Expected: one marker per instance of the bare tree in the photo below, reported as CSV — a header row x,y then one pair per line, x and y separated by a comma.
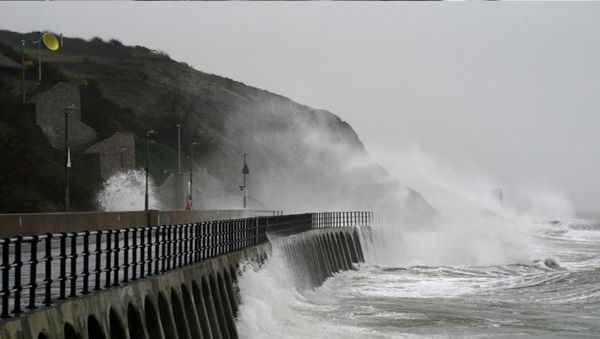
x,y
178,103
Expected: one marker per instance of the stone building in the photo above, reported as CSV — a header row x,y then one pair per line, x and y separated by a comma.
x,y
9,71
50,115
8,65
116,153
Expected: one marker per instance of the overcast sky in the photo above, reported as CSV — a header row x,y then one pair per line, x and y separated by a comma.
x,y
508,89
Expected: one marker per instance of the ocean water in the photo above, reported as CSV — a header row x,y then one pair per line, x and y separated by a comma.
x,y
488,278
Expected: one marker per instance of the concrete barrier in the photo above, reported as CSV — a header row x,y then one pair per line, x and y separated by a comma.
x,y
40,223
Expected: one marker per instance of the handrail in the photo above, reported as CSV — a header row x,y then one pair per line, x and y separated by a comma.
x,y
37,270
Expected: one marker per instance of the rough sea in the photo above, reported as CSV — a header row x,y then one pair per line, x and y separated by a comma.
x,y
483,278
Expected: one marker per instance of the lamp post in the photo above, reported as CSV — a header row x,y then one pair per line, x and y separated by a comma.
x,y
245,171
148,134
190,199
67,157
123,150
51,43
178,148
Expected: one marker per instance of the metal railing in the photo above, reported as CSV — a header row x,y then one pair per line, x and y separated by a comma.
x,y
341,219
38,270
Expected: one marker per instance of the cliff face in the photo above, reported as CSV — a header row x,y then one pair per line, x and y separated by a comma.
x,y
300,158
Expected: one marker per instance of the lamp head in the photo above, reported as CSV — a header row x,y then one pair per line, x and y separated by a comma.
x,y
50,41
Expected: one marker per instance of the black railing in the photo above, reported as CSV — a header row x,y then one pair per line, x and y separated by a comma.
x,y
40,269
341,219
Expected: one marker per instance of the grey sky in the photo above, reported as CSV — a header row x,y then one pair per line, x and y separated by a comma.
x,y
510,89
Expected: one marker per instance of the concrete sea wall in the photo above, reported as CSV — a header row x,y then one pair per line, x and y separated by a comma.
x,y
196,301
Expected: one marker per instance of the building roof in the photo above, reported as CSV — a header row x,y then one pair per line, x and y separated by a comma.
x,y
7,63
97,147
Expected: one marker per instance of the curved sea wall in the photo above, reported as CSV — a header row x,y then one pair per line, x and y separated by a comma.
x,y
195,301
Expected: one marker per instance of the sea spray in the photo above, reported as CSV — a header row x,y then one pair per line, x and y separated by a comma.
x,y
277,300
124,191
472,227
476,269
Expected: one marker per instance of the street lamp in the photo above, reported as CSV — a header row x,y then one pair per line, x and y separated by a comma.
x,y
178,148
245,171
189,203
123,150
148,134
50,41
67,157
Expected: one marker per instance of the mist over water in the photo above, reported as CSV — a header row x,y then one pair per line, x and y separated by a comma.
x,y
125,191
478,268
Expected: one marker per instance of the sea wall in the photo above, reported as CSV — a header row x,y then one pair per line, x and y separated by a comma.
x,y
316,255
196,301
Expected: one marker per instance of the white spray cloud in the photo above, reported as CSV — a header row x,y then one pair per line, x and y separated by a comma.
x,y
473,227
124,191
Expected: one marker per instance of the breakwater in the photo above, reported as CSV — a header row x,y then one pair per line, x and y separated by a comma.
x,y
174,281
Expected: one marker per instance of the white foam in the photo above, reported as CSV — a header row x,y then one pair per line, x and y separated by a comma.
x,y
125,191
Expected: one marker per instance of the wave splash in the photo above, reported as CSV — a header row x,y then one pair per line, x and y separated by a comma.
x,y
125,191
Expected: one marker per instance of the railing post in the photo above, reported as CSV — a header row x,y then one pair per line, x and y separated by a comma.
x,y
216,238
18,264
33,272
108,267
204,232
98,253
197,242
5,277
48,271
191,240
149,251
255,224
116,251
73,257
212,239
157,243
208,239
183,260
221,239
142,251
86,262
163,257
239,234
175,249
234,235
126,249
229,235
62,277
170,245
134,254
180,247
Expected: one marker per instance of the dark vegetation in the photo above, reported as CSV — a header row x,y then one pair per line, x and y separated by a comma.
x,y
105,116
31,171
